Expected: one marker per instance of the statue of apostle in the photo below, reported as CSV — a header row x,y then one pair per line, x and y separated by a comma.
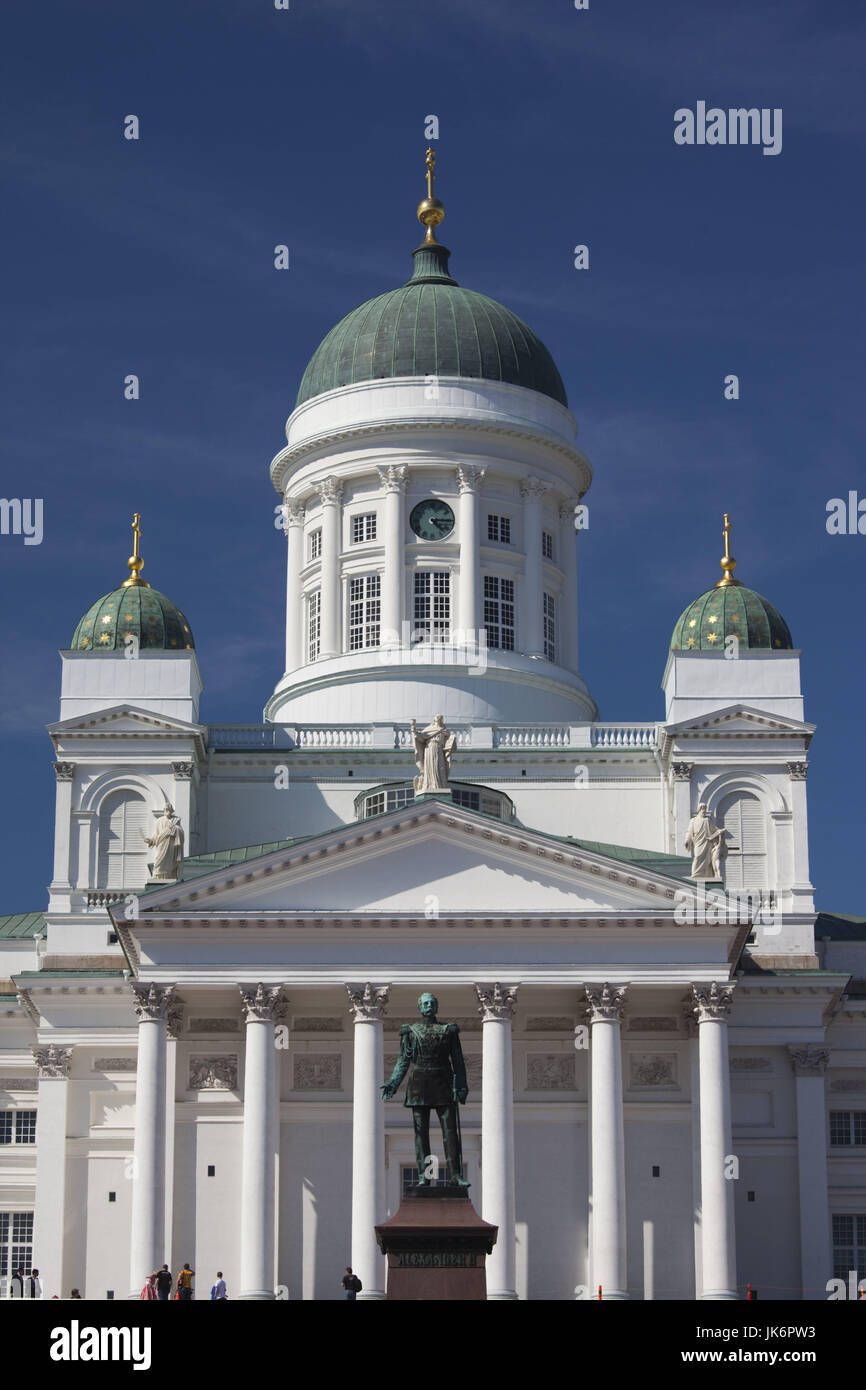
x,y
438,1082
706,840
433,748
167,840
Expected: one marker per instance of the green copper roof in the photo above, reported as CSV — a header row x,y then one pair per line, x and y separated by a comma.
x,y
22,924
431,327
158,623
734,609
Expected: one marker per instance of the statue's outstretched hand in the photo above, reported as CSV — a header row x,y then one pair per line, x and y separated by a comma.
x,y
462,1094
388,1091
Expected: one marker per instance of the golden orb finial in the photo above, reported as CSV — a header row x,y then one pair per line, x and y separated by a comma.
x,y
727,562
430,210
135,562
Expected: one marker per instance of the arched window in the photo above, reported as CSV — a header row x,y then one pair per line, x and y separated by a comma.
x,y
746,826
124,820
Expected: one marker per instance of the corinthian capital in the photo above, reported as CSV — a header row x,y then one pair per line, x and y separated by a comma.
x,y
469,476
367,1001
152,1001
533,489
329,490
262,1003
52,1060
605,1003
393,477
712,1003
294,511
809,1060
64,772
495,1002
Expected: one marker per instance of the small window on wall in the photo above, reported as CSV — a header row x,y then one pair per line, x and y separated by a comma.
x,y
547,545
499,529
17,1126
16,1243
746,841
549,627
316,544
849,1245
314,624
364,611
848,1127
499,612
124,820
432,614
363,527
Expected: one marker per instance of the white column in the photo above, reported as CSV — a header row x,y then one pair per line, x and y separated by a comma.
x,y
148,1172
719,1274
682,802
393,480
608,1264
173,1024
691,1028
801,886
531,640
816,1256
368,1138
294,512
262,1008
65,774
568,619
49,1223
330,491
469,608
497,1136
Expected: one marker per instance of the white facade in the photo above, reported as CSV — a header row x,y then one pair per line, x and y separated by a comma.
x,y
650,1089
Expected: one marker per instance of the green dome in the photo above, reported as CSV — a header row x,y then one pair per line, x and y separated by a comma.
x,y
726,610
158,624
431,327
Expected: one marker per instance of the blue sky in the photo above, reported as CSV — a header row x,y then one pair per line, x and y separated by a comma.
x,y
306,127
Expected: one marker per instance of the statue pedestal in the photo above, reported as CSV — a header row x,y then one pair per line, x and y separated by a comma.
x,y
436,1246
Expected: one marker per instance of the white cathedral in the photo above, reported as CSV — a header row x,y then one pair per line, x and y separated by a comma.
x,y
666,1044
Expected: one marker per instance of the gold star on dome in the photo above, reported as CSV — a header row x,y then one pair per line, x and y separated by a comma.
x,y
711,636
693,622
106,620
714,619
691,642
104,637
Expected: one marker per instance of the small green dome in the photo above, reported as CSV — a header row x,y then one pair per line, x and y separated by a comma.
x,y
431,327
158,623
731,609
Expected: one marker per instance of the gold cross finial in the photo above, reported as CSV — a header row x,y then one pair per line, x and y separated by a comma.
x,y
430,210
135,562
727,561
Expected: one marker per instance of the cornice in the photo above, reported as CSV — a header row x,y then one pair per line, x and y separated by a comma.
x,y
284,461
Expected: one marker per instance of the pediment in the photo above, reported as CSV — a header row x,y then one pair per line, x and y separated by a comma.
x,y
123,719
428,862
739,719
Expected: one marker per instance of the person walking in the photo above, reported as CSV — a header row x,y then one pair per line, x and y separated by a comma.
x,y
219,1288
148,1293
351,1284
163,1283
184,1284
75,1294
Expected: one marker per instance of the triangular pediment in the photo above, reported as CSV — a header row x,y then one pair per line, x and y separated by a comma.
x,y
123,719
739,719
425,861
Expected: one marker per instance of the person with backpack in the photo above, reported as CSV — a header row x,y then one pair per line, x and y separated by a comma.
x,y
184,1284
163,1283
351,1283
219,1288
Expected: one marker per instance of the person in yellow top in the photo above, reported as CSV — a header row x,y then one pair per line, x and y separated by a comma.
x,y
184,1284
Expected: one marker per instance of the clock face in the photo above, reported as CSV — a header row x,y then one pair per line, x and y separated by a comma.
x,y
432,519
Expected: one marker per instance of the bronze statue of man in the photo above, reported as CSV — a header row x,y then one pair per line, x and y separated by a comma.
x,y
438,1082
